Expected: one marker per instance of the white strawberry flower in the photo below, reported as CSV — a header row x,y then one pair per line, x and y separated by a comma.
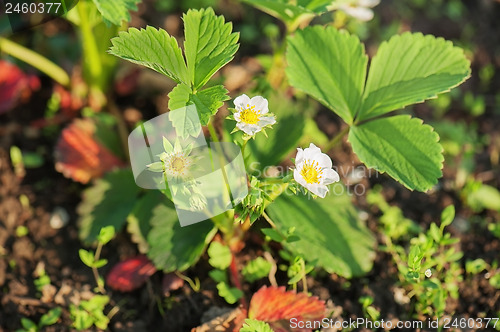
x,y
175,161
252,114
313,170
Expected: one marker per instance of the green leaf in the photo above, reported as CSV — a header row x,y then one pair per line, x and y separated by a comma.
x,y
403,147
330,65
253,325
156,167
100,263
87,257
218,275
482,196
447,216
185,123
28,324
411,68
106,203
415,257
208,101
173,247
230,294
82,320
256,269
154,49
106,234
167,146
179,97
209,45
116,11
50,317
138,220
475,266
273,234
330,231
220,255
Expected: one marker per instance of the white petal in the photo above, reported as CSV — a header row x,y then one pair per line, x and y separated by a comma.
x,y
323,160
330,176
237,116
241,101
361,13
300,180
250,129
260,104
317,189
266,121
314,148
299,158
368,3
311,152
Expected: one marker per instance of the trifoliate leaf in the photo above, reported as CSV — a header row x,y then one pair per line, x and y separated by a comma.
x,y
210,44
154,49
330,65
403,147
409,69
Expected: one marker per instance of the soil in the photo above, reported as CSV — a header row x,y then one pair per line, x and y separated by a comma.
x,y
56,249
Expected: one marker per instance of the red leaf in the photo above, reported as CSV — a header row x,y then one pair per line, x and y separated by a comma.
x,y
130,274
276,306
79,156
14,84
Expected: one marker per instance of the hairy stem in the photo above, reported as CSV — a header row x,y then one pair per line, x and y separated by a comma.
x,y
35,60
337,139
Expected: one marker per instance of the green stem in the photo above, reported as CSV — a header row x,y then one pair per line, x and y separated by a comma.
x,y
337,139
269,220
227,224
213,133
304,279
94,269
36,60
92,60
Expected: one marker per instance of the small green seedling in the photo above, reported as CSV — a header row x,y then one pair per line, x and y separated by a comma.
x,y
93,260
50,318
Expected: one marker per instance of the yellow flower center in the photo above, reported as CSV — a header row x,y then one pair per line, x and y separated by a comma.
x,y
311,172
250,115
177,164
